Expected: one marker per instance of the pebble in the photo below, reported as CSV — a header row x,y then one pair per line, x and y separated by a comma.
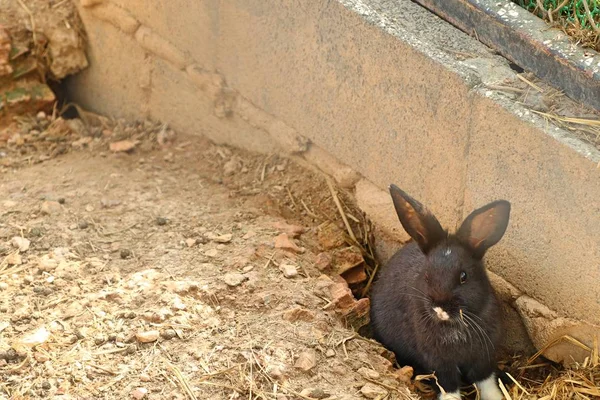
x,y
314,393
306,361
211,253
41,115
50,207
83,225
222,238
20,243
122,146
284,242
368,373
125,253
3,286
139,393
248,268
299,314
373,391
234,279
190,242
323,261
147,336
289,271
13,259
160,221
168,334
330,353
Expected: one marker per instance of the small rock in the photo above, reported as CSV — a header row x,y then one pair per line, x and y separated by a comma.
x,y
161,221
147,336
122,146
249,235
373,391
289,271
3,286
306,360
323,261
41,115
248,268
211,253
178,304
40,336
368,373
40,357
190,242
61,200
168,334
20,243
145,377
284,242
231,166
139,393
13,259
89,208
291,230
10,203
50,207
330,353
330,236
234,279
222,238
125,253
109,203
299,314
83,225
314,393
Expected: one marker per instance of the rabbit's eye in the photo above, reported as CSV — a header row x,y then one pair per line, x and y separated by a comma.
x,y
463,277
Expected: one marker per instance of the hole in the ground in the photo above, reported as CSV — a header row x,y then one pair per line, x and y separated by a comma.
x,y
516,68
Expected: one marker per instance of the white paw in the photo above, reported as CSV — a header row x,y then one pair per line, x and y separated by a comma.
x,y
449,396
489,390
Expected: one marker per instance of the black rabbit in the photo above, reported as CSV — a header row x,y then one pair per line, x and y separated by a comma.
x,y
433,304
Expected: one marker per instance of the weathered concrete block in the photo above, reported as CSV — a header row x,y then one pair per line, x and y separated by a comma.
x,y
190,28
344,176
119,17
378,206
105,86
372,100
546,329
160,47
552,245
175,99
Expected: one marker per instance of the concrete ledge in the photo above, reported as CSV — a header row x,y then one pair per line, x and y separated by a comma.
x,y
394,93
528,41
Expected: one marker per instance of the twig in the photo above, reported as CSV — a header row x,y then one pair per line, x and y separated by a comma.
x,y
31,19
108,371
590,19
184,383
336,200
533,85
312,214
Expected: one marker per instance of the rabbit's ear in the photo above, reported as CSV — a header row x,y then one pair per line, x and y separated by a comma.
x,y
484,227
417,220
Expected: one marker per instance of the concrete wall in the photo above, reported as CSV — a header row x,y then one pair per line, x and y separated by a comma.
x,y
394,93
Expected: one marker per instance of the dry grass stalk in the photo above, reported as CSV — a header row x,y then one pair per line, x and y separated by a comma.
x,y
340,209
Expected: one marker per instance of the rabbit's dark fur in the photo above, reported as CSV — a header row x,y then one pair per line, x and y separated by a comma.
x,y
433,304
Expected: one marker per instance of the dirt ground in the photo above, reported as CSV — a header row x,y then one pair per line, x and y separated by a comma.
x,y
163,274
